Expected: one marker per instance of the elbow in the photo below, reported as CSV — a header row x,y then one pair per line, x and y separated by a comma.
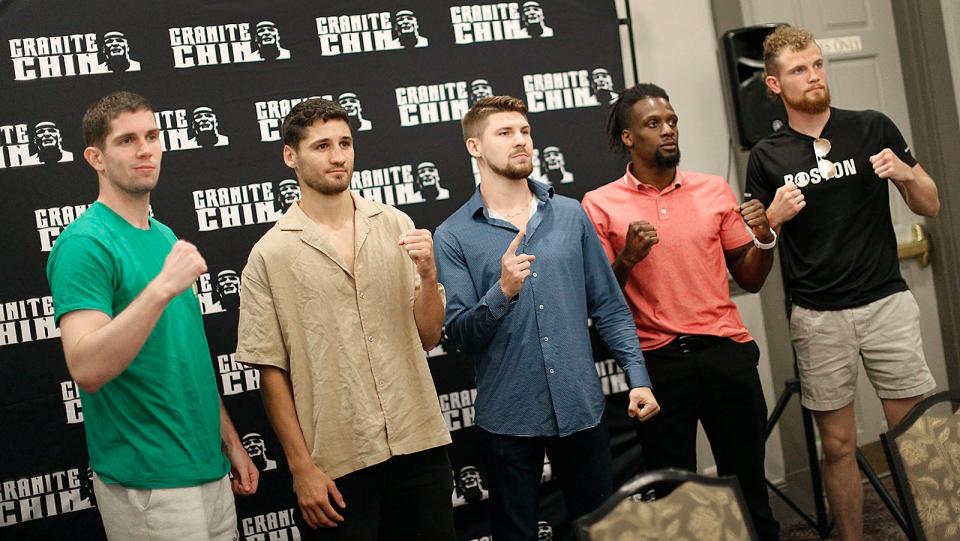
x,y
933,210
88,384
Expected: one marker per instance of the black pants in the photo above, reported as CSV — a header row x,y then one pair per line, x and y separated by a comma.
x,y
580,463
406,497
713,380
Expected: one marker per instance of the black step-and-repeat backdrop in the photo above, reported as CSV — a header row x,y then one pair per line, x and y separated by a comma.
x,y
222,76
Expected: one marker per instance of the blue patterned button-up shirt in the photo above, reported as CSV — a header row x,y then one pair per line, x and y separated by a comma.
x,y
534,360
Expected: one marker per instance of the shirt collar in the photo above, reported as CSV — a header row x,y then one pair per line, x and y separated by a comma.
x,y
296,220
632,182
543,192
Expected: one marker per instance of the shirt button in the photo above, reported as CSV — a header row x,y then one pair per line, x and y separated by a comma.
x,y
380,383
663,211
540,307
534,275
552,370
361,296
370,338
546,338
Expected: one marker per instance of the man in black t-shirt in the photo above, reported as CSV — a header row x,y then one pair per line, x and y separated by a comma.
x,y
823,179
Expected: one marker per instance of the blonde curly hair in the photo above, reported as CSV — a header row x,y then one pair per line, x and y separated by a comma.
x,y
784,37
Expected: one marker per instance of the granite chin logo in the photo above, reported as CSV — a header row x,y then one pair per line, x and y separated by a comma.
x,y
439,102
273,526
50,223
44,495
270,115
568,89
235,206
256,447
233,43
288,193
219,293
27,320
71,402
457,408
399,185
180,130
236,377
23,145
503,21
67,56
368,32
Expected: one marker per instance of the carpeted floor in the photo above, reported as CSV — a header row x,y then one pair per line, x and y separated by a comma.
x,y
878,524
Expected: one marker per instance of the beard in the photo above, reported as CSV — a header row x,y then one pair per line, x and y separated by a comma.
x,y
51,154
555,175
332,186
430,192
118,63
512,172
810,105
269,51
230,301
534,30
603,95
666,160
206,138
407,39
355,122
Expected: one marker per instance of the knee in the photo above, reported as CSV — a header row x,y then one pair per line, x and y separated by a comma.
x,y
839,447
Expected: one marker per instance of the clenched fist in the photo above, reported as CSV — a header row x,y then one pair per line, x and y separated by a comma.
x,y
419,246
787,202
756,219
181,268
514,269
886,164
641,236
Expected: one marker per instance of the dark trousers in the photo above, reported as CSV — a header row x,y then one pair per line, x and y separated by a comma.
x,y
713,380
580,463
406,497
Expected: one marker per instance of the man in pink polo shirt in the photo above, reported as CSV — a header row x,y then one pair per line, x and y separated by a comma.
x,y
671,235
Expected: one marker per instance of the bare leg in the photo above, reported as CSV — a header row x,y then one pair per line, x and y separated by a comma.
x,y
838,435
895,409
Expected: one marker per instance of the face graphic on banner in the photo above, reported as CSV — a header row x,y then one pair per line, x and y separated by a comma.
x,y
227,290
266,42
406,30
601,85
256,447
114,53
479,89
553,165
532,20
544,531
288,192
350,102
47,144
204,128
469,485
428,182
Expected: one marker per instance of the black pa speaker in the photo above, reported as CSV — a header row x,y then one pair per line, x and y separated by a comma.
x,y
752,114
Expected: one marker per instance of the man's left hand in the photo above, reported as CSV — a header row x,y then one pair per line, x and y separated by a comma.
x,y
643,405
419,246
887,165
244,473
755,216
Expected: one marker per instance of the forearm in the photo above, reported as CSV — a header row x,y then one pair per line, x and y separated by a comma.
x,y
920,194
98,356
752,267
621,269
428,312
228,433
278,402
471,329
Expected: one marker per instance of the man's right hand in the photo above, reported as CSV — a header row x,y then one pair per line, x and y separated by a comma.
x,y
514,269
787,202
641,236
314,490
183,266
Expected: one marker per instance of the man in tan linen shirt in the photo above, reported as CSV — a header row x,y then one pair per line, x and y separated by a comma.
x,y
339,301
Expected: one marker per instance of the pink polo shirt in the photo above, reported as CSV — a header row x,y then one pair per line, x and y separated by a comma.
x,y
681,286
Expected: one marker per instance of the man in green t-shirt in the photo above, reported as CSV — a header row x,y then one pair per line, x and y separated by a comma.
x,y
159,438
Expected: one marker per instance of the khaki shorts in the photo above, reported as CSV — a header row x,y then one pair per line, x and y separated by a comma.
x,y
885,333
200,513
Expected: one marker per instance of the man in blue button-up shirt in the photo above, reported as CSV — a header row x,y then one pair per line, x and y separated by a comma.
x,y
523,271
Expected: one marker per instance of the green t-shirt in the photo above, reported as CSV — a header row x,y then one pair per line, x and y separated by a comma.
x,y
157,424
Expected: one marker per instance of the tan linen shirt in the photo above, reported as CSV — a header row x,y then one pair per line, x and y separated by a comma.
x,y
361,384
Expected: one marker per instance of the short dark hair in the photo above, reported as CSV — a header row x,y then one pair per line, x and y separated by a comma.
x,y
305,113
475,120
620,111
96,121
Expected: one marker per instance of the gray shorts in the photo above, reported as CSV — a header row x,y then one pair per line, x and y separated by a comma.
x,y
200,513
885,333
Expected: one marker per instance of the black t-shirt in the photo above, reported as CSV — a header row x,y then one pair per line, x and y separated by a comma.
x,y
840,251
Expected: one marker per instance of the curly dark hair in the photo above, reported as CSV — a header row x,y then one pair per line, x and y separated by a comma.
x,y
305,113
619,118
